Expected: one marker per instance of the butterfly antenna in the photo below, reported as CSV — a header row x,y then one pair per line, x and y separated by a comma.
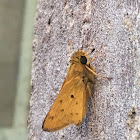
x,y
69,42
96,54
89,48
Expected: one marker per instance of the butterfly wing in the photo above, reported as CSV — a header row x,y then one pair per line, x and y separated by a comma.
x,y
69,107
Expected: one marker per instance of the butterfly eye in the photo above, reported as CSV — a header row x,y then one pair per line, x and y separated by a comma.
x,y
83,60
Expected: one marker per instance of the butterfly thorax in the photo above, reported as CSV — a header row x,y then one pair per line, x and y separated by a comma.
x,y
79,61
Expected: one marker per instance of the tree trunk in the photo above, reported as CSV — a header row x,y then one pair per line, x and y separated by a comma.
x,y
116,25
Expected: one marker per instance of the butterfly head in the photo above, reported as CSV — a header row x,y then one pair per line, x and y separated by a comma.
x,y
81,57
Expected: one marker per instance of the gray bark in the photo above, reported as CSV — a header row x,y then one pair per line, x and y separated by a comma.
x,y
116,25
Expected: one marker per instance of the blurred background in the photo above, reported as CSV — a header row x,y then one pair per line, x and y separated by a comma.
x,y
16,36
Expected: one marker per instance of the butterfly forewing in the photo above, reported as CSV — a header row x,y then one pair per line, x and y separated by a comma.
x,y
69,107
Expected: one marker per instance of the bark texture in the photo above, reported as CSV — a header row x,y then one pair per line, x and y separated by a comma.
x,y
116,25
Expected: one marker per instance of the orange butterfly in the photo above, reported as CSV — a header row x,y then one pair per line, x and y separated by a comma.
x,y
70,106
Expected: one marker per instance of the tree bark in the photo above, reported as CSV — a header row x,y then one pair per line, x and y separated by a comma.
x,y
116,25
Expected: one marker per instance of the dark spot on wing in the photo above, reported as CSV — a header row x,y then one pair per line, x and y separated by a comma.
x,y
51,117
61,101
62,110
72,96
43,127
76,113
71,113
76,103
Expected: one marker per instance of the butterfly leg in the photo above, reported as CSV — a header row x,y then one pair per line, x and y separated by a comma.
x,y
101,75
93,104
97,73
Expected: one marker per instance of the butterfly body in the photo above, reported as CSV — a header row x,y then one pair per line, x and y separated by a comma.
x,y
70,106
